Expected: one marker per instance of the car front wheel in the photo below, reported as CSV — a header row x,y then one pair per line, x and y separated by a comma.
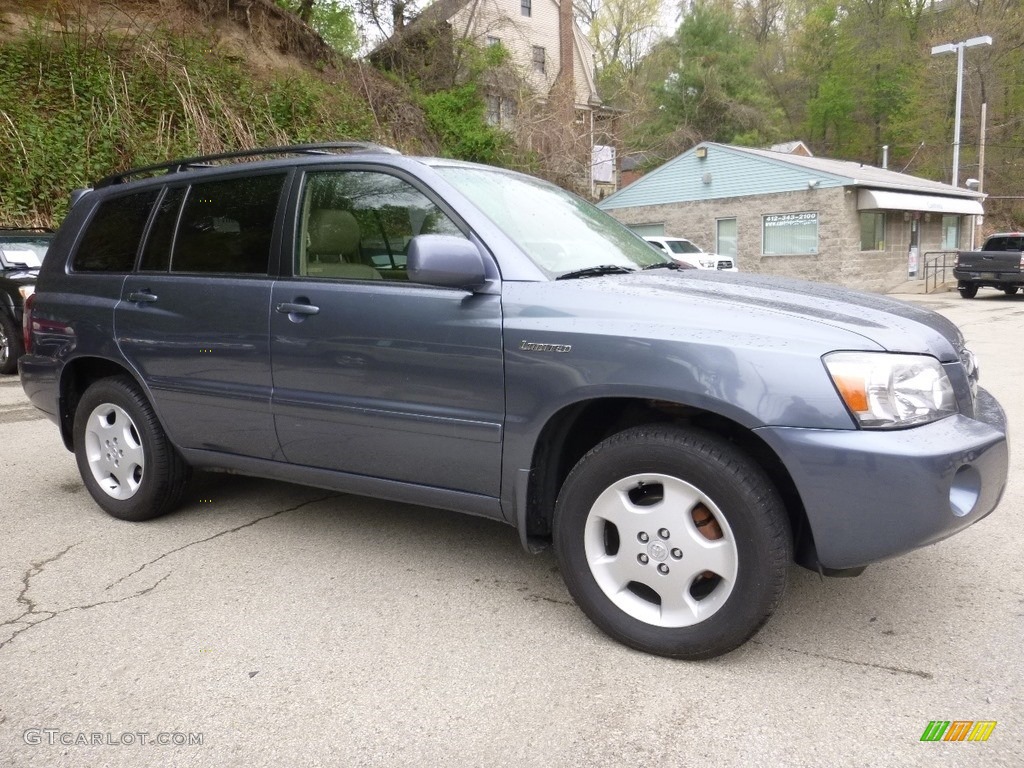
x,y
672,541
126,461
1010,290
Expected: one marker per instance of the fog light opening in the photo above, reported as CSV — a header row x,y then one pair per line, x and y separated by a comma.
x,y
965,490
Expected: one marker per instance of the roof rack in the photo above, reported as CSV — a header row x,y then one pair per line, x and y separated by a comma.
x,y
211,161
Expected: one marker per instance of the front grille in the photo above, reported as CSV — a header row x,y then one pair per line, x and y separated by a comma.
x,y
725,265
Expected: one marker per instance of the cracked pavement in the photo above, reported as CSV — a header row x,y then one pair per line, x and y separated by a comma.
x,y
294,626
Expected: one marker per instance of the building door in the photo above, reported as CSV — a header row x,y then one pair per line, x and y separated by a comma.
x,y
915,246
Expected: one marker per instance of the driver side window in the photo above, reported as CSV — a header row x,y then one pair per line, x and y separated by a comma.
x,y
357,225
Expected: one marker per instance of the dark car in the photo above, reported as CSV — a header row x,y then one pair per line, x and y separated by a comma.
x,y
21,254
465,337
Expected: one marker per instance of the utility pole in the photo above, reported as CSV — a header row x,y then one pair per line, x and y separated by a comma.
x,y
978,220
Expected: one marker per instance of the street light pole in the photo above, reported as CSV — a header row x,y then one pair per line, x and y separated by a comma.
x,y
959,49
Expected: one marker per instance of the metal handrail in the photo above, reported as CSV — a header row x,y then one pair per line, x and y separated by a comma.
x,y
936,266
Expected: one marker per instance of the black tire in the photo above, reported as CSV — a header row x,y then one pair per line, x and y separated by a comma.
x,y
126,461
693,468
967,290
11,344
1010,290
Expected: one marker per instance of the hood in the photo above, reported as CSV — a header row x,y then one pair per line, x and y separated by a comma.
x,y
757,300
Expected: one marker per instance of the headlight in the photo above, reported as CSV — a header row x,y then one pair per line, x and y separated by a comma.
x,y
707,263
26,291
886,391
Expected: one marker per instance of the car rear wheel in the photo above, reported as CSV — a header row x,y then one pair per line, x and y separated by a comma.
x,y
10,344
126,461
672,541
967,290
1010,290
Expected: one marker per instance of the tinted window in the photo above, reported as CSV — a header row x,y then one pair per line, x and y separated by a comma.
x,y
226,226
112,238
156,255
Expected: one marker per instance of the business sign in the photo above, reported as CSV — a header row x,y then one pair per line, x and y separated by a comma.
x,y
790,219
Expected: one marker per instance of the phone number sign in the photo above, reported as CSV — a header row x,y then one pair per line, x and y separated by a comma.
x,y
790,219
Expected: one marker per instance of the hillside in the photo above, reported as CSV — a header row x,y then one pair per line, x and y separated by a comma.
x,y
91,87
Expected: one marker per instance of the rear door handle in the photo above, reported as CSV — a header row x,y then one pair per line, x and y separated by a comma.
x,y
142,297
289,308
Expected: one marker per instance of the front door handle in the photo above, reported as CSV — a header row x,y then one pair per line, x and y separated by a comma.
x,y
290,308
142,297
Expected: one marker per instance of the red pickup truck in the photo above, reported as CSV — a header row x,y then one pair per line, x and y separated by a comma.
x,y
999,264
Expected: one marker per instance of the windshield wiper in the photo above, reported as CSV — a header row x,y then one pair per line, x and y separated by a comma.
x,y
603,269
663,265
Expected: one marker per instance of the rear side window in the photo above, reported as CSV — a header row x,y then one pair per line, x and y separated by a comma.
x,y
1005,244
112,239
227,226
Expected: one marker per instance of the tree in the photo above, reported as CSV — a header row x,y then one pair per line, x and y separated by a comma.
x,y
332,19
714,89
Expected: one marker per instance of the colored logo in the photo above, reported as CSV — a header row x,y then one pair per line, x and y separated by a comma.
x,y
958,730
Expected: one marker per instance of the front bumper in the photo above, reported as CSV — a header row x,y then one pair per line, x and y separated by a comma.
x,y
872,494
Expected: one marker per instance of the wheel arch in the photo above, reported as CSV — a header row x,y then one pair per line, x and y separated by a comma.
x,y
572,431
76,377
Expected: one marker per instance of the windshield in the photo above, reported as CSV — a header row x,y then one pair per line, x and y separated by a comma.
x,y
560,233
23,253
682,246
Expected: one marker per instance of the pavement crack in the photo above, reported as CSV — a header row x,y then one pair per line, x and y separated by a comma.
x,y
23,599
883,667
33,616
217,535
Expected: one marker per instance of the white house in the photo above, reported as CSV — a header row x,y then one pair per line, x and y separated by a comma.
x,y
549,55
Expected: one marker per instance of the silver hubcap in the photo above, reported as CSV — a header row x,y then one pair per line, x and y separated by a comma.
x,y
4,346
649,557
114,451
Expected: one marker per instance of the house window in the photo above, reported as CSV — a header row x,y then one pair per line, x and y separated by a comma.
x,y
501,111
538,59
526,7
872,231
789,233
725,238
950,233
493,40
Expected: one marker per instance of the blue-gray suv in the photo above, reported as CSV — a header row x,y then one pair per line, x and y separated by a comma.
x,y
464,337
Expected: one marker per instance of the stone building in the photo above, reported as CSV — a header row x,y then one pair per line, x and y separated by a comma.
x,y
813,218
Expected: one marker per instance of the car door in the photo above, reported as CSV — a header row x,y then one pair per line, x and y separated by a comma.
x,y
194,318
375,375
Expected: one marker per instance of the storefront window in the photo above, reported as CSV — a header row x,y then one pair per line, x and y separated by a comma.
x,y
789,233
950,232
872,231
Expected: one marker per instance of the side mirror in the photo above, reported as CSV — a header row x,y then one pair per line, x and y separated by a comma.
x,y
445,260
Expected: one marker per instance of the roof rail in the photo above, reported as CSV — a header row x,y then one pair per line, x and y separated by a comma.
x,y
208,161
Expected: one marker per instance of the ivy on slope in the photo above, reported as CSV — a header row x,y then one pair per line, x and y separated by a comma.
x,y
76,106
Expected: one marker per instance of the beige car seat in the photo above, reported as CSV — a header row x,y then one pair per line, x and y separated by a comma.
x,y
333,247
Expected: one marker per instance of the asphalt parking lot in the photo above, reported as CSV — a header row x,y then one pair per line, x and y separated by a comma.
x,y
270,624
